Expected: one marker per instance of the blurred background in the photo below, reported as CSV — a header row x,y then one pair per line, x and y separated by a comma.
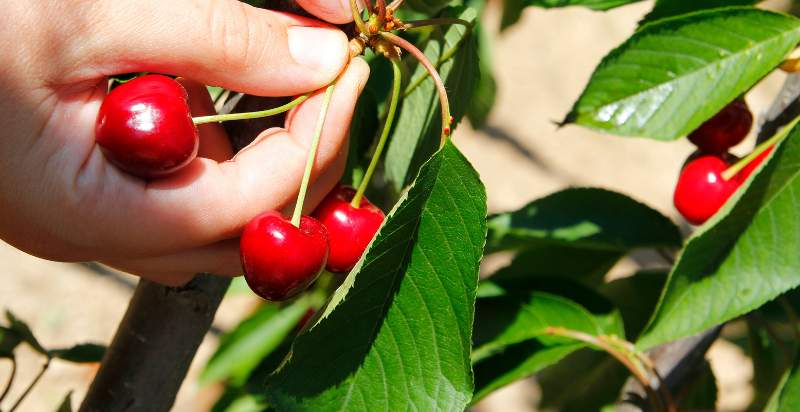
x,y
542,64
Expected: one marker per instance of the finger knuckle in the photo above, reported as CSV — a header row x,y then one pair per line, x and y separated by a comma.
x,y
236,37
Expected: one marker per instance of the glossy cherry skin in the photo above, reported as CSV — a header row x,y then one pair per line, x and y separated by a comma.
x,y
145,127
279,259
725,130
350,229
701,191
753,165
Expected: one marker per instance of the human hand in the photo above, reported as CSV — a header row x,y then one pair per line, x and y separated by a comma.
x,y
59,197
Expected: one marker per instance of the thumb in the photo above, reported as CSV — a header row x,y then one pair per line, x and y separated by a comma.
x,y
221,42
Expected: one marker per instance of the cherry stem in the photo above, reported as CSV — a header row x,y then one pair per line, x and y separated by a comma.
x,y
380,12
618,355
251,115
387,127
435,22
732,171
10,378
30,387
362,28
312,156
437,79
447,55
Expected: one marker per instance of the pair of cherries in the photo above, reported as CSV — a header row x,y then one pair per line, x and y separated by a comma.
x,y
702,188
281,260
145,128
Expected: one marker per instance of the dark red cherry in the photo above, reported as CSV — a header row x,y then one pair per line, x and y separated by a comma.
x,y
145,128
753,165
725,130
701,191
279,259
350,229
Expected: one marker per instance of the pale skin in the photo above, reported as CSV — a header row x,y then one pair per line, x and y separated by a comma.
x,y
60,199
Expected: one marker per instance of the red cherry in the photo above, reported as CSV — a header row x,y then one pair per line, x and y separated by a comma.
x,y
145,127
725,130
350,229
753,165
279,259
701,191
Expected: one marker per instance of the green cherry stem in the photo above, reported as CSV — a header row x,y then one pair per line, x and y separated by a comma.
x,y
435,22
437,79
397,81
362,27
624,359
730,172
312,157
447,55
251,115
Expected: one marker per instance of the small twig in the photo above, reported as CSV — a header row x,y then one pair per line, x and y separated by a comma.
x,y
649,365
30,387
10,378
666,255
611,350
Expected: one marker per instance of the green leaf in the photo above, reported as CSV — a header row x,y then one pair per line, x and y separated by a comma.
x,y
9,340
517,362
674,74
24,333
510,339
483,100
397,334
418,125
512,9
66,404
787,397
586,218
429,7
524,273
241,350
740,259
82,353
361,138
515,318
636,297
700,393
595,380
670,8
769,362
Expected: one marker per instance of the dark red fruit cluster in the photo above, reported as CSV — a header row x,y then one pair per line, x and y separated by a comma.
x,y
701,189
725,130
145,127
281,260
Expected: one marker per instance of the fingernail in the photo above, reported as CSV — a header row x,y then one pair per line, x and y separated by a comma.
x,y
321,49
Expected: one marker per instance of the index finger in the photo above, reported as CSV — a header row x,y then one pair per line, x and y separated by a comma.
x,y
332,11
